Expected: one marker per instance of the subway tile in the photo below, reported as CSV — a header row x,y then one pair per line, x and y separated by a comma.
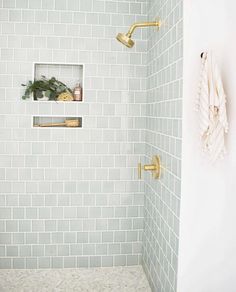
x,y
37,250
47,5
31,237
69,262
51,250
18,238
88,249
25,251
35,4
70,237
57,262
101,249
9,3
95,261
107,261
5,263
44,238
44,263
31,263
86,6
57,237
83,262
12,251
21,3
18,263
119,260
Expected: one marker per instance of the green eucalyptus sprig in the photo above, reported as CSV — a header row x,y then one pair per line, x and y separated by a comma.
x,y
48,87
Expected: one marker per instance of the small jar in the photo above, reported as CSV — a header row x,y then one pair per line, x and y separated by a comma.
x,y
77,92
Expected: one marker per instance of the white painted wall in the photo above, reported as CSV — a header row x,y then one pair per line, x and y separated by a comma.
x,y
207,255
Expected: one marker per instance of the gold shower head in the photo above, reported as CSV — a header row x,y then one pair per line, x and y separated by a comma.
x,y
125,38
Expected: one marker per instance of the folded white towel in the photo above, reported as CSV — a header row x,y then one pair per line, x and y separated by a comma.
x,y
211,105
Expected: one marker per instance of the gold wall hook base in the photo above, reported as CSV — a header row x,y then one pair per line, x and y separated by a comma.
x,y
160,22
155,167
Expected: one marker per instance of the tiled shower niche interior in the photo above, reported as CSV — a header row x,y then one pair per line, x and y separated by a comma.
x,y
53,121
69,74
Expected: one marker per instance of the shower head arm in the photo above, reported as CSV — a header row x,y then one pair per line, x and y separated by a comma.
x,y
125,38
141,24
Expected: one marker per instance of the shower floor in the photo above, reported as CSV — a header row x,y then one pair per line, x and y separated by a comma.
x,y
117,279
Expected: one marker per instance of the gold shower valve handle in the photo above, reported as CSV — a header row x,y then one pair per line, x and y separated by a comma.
x,y
155,168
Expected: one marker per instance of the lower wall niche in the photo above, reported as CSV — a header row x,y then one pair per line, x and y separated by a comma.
x,y
57,122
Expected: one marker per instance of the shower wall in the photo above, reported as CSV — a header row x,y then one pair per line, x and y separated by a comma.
x,y
70,197
163,137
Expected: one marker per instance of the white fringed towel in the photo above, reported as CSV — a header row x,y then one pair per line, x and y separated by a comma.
x,y
211,105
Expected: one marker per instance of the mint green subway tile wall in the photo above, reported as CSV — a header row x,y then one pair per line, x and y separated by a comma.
x,y
163,137
70,197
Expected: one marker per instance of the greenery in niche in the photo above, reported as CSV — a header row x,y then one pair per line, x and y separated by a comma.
x,y
50,88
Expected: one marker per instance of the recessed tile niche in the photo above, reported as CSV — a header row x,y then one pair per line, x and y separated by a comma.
x,y
57,122
69,74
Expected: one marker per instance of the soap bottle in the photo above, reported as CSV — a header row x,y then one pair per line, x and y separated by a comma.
x,y
77,92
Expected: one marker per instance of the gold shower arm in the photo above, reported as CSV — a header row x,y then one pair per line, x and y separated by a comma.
x,y
142,24
125,38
